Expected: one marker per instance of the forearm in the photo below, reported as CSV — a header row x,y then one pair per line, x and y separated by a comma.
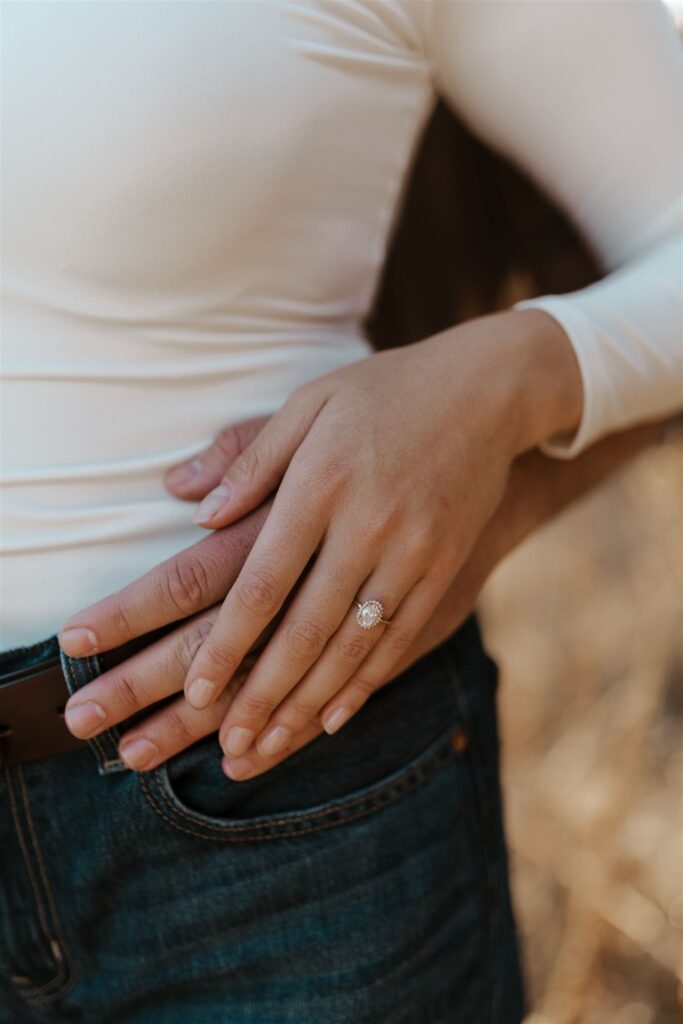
x,y
540,487
605,145
626,334
522,376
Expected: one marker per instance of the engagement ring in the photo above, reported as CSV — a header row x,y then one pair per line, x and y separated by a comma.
x,y
370,614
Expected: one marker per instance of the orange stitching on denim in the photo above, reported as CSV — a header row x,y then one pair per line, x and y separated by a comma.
x,y
34,883
65,959
396,789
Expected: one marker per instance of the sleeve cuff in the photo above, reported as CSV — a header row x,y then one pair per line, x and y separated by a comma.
x,y
581,334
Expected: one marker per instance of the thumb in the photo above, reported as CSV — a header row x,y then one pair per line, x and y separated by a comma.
x,y
258,469
193,479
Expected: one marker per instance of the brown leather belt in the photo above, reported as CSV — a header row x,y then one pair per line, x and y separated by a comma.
x,y
32,700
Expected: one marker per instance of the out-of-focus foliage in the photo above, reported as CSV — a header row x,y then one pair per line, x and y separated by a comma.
x,y
586,622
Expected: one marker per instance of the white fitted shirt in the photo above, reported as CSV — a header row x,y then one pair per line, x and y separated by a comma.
x,y
196,204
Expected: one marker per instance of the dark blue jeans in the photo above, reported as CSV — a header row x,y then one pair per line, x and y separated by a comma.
x,y
363,880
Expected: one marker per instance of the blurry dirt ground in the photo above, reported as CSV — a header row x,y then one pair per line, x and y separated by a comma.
x,y
585,621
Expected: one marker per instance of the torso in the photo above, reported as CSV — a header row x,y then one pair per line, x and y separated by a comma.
x,y
196,204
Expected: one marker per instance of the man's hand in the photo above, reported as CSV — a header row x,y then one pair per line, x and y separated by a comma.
x,y
190,581
188,587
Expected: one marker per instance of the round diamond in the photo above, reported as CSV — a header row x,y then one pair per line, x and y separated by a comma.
x,y
369,614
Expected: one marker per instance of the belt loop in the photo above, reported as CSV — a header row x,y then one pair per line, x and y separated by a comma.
x,y
78,672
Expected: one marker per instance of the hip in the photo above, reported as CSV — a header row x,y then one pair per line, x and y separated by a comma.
x,y
362,879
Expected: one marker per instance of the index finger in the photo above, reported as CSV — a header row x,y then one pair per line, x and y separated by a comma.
x,y
273,569
194,579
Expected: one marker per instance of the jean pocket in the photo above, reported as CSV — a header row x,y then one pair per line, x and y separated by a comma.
x,y
402,736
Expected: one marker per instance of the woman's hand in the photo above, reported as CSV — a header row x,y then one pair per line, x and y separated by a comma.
x,y
386,473
186,583
504,530
538,489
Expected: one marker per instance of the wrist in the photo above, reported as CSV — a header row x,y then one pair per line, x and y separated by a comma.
x,y
521,509
514,374
547,388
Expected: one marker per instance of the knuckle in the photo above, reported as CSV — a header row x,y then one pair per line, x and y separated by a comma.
x,y
420,545
379,523
304,638
301,403
178,727
128,693
222,660
365,686
328,474
397,638
353,649
390,516
228,443
246,466
191,640
124,625
186,584
247,430
299,711
258,592
256,705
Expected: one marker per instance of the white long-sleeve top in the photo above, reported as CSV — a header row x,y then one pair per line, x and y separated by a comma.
x,y
196,203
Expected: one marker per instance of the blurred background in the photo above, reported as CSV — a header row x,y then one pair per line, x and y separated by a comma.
x,y
585,620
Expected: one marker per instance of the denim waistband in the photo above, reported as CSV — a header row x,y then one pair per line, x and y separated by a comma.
x,y
77,673
464,644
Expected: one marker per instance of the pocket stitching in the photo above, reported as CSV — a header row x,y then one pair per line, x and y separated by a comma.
x,y
65,977
423,767
419,762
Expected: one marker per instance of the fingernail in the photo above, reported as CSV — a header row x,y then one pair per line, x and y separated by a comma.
x,y
185,473
336,719
84,719
138,753
201,692
78,642
238,770
213,503
274,741
237,740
